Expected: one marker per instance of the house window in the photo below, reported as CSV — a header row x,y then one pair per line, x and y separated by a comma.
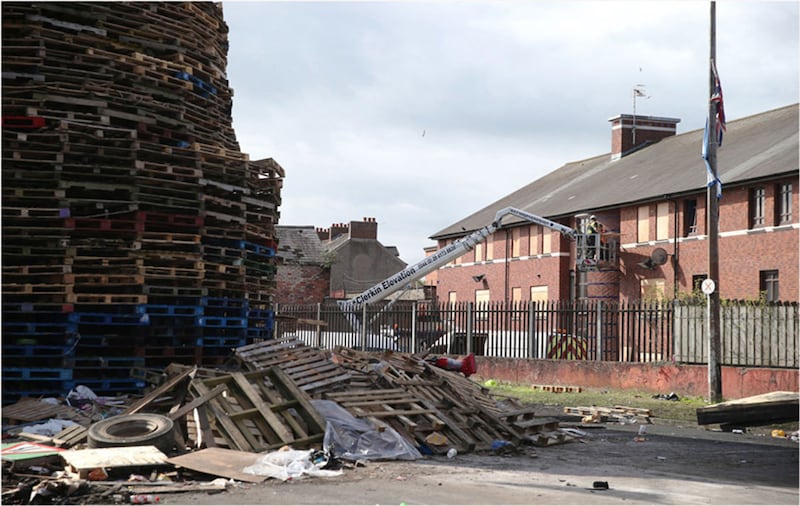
x,y
758,196
652,289
697,281
768,281
546,242
515,242
662,221
490,247
479,251
516,298
783,209
539,297
534,240
481,302
539,293
452,298
689,217
643,224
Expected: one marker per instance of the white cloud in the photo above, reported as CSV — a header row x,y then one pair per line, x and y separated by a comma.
x,y
341,93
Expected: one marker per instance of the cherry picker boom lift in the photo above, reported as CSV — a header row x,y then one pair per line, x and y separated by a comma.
x,y
403,279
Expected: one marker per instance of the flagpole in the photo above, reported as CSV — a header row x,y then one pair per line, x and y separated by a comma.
x,y
712,220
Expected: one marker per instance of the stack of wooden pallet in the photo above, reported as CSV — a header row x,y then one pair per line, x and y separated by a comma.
x,y
135,233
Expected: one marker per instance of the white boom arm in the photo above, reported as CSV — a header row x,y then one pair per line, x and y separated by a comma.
x,y
451,251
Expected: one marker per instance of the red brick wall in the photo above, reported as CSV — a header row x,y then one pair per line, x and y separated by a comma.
x,y
685,380
743,253
301,284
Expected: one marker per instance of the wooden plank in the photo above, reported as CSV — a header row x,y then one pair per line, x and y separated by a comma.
x,y
166,387
220,462
71,436
197,401
219,408
80,462
265,411
772,407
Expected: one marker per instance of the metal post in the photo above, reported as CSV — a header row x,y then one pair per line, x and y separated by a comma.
x,y
414,328
276,324
532,345
363,327
470,317
599,330
319,327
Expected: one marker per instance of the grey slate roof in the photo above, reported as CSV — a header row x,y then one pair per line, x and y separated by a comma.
x,y
758,146
299,245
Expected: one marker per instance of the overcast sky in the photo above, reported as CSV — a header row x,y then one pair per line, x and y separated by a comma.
x,y
420,113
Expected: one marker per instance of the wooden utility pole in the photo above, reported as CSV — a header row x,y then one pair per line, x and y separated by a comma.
x,y
712,227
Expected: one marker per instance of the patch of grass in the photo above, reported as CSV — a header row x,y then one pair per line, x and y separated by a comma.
x,y
683,410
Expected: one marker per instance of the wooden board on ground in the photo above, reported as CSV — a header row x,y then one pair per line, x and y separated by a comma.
x,y
80,462
31,410
621,413
220,462
772,407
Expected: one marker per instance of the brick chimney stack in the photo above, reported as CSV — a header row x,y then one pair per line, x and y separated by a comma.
x,y
324,234
337,229
366,229
644,129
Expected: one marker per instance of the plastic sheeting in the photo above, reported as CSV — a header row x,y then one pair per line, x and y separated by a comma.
x,y
289,464
350,438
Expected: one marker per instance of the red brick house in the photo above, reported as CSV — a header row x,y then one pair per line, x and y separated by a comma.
x,y
651,197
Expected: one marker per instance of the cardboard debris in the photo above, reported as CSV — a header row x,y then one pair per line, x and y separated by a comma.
x,y
220,462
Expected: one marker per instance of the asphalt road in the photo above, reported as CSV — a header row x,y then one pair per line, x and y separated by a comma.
x,y
668,465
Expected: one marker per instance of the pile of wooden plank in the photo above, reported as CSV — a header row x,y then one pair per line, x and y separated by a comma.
x,y
263,401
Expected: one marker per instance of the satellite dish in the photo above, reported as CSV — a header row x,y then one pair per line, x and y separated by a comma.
x,y
658,256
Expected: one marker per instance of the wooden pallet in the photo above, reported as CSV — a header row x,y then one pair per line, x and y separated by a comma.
x,y
312,369
260,411
621,413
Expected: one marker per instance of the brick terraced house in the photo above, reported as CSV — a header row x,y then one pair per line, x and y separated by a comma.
x,y
651,198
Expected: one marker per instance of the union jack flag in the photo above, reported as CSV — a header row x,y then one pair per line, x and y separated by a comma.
x,y
716,98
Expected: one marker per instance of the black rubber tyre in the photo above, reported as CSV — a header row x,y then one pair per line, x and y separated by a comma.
x,y
141,429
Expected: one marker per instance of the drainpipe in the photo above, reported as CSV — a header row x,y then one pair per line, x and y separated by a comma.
x,y
507,273
675,251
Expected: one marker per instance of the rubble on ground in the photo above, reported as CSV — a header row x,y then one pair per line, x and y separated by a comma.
x,y
277,408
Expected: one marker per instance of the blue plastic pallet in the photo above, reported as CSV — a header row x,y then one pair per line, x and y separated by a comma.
x,y
35,374
34,350
172,310
109,319
226,342
217,321
258,249
33,328
109,362
101,385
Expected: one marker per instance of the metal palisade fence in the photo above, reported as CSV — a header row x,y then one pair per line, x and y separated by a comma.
x,y
753,335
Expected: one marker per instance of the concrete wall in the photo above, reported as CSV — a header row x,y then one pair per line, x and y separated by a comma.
x,y
684,380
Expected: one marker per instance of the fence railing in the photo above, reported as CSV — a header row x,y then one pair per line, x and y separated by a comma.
x,y
751,335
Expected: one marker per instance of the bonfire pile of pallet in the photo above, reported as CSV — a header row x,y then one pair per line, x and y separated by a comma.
x,y
262,401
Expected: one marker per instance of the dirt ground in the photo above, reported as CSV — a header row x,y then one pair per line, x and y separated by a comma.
x,y
673,464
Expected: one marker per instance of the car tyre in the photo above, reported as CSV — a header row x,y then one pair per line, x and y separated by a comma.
x,y
140,429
